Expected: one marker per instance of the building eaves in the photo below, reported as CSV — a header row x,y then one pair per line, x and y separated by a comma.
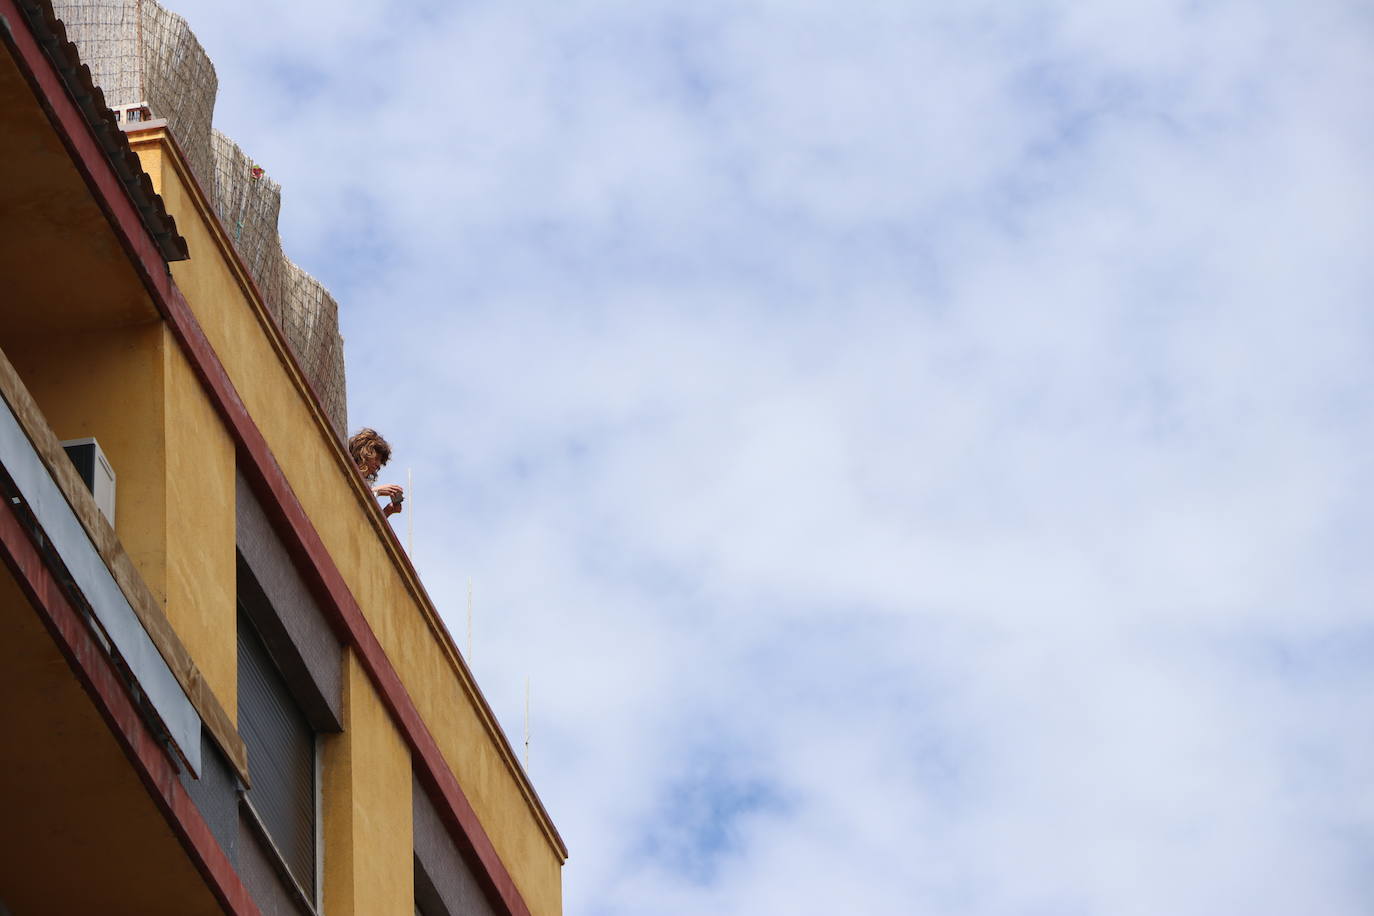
x,y
51,34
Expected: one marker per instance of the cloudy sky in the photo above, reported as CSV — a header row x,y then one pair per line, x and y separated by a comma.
x,y
919,453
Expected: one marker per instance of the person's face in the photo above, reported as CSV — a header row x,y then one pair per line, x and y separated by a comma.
x,y
370,467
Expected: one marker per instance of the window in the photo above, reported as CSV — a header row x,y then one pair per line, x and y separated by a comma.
x,y
445,883
290,693
281,758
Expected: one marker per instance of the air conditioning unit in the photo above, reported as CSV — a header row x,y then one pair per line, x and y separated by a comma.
x,y
95,469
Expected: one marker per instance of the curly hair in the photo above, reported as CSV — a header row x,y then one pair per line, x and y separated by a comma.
x,y
367,444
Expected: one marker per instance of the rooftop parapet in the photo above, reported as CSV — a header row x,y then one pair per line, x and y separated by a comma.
x,y
142,54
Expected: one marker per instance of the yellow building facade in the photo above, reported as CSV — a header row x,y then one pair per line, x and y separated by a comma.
x,y
231,693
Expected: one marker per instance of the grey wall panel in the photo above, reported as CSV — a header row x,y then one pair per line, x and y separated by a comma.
x,y
215,794
443,877
295,630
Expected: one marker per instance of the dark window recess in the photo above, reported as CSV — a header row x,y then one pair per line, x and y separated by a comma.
x,y
445,882
428,902
281,757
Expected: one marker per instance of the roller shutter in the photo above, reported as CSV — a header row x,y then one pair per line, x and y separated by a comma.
x,y
281,756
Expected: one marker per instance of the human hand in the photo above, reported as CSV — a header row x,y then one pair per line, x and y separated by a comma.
x,y
390,491
391,509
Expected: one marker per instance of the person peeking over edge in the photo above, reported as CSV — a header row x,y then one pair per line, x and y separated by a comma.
x,y
370,453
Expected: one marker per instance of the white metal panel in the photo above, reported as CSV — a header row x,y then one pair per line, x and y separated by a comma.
x,y
102,480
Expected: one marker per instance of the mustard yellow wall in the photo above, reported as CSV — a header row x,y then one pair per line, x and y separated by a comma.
x,y
134,391
109,384
201,568
62,266
262,378
368,833
81,833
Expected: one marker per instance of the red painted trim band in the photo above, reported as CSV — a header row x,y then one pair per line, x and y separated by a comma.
x,y
96,673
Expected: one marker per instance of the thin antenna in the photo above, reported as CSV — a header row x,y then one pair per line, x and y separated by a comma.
x,y
527,721
469,620
410,517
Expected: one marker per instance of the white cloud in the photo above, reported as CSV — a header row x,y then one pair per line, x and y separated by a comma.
x,y
917,452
